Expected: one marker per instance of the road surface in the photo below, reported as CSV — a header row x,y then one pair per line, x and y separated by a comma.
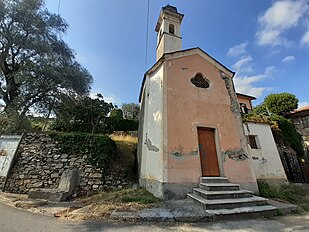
x,y
16,220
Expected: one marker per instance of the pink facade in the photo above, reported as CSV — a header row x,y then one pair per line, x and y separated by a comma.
x,y
185,97
188,108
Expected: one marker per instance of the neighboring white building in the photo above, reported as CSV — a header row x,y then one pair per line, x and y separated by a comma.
x,y
264,153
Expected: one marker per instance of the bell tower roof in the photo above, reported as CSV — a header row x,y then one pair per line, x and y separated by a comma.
x,y
168,10
168,31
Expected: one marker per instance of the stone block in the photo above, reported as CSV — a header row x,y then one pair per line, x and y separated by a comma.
x,y
38,184
68,180
40,193
54,175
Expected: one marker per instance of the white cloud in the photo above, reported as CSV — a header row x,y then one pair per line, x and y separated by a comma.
x,y
237,50
305,39
113,99
277,19
269,37
245,84
302,104
243,65
110,99
288,59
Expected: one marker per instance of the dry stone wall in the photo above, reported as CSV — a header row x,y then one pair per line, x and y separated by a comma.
x,y
290,163
40,164
2,181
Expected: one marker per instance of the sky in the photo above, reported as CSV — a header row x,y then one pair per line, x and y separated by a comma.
x,y
265,42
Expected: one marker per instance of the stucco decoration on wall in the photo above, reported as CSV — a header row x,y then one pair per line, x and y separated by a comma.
x,y
150,146
238,154
199,81
230,89
179,154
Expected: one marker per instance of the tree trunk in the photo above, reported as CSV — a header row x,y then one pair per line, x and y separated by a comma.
x,y
46,119
11,91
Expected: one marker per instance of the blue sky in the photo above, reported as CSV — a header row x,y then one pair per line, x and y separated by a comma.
x,y
265,42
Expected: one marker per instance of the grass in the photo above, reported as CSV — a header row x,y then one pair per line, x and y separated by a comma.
x,y
126,158
124,138
291,193
140,196
101,205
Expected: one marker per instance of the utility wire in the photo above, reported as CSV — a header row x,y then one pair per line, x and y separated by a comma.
x,y
147,29
59,3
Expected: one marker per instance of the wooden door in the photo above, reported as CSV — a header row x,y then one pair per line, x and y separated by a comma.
x,y
208,153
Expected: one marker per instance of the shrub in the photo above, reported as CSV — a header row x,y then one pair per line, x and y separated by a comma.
x,y
13,123
288,133
99,149
282,128
121,125
252,117
109,125
288,192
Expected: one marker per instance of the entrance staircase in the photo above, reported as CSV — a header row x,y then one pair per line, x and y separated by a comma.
x,y
224,200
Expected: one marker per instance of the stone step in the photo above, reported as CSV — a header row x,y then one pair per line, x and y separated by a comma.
x,y
210,195
214,180
243,212
227,203
219,186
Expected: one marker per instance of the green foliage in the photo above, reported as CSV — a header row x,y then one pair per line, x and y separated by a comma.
x,y
282,128
90,115
85,115
288,133
13,123
40,123
271,111
121,125
116,114
281,103
141,196
37,68
253,117
99,149
289,192
260,109
131,111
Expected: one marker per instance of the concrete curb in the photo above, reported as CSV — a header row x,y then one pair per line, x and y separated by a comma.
x,y
170,211
159,215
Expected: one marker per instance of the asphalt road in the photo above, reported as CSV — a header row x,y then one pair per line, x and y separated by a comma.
x,y
15,220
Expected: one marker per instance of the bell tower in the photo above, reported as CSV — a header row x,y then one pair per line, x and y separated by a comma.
x,y
168,31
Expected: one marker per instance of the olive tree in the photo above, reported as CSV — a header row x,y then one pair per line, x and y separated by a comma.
x,y
37,68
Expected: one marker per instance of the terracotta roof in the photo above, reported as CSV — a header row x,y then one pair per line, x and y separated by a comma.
x,y
305,108
246,96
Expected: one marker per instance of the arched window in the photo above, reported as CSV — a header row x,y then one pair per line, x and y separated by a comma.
x,y
171,29
199,81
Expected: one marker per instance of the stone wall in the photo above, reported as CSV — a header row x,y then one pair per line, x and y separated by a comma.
x,y
290,163
40,164
2,180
